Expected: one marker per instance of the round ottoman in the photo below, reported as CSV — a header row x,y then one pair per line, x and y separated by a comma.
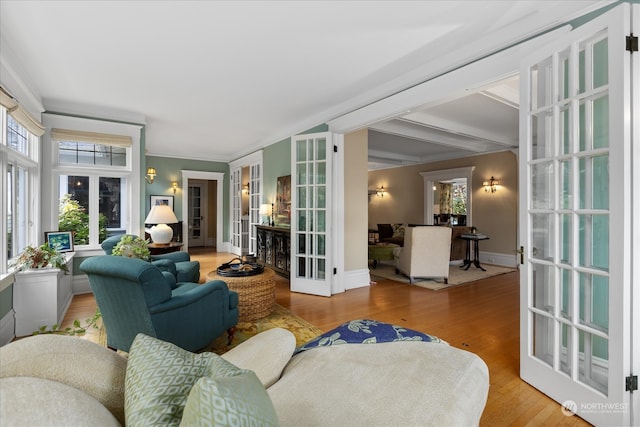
x,y
256,294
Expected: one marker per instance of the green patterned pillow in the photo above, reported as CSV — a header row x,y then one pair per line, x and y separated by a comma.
x,y
231,401
160,376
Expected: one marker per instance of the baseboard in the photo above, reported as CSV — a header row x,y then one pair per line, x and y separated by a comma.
x,y
495,258
356,279
7,328
80,285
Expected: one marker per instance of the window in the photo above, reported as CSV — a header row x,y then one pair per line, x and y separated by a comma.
x,y
94,170
18,179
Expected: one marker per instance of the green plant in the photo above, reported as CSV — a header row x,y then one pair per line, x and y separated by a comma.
x,y
73,217
77,329
132,247
40,257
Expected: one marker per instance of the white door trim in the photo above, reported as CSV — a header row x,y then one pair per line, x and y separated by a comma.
x,y
209,176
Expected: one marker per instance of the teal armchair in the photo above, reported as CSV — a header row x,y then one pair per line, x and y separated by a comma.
x,y
184,269
136,296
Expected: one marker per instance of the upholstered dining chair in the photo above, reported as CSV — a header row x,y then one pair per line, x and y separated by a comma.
x,y
185,270
135,296
425,253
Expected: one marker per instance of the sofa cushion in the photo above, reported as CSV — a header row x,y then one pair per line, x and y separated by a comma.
x,y
230,401
30,401
398,230
160,376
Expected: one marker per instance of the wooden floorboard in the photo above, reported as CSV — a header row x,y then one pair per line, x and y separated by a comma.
x,y
481,317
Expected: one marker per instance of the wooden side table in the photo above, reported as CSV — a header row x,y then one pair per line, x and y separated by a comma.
x,y
475,238
164,248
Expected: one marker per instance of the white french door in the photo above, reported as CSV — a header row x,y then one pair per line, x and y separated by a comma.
x,y
197,206
235,193
311,213
576,216
255,195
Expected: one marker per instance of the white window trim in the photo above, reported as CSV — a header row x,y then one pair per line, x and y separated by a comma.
x,y
51,169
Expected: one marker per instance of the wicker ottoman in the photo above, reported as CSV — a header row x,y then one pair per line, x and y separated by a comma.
x,y
256,294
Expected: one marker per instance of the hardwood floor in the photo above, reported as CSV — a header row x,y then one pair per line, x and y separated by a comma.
x,y
481,317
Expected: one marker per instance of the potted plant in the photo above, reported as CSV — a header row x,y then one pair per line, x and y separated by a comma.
x,y
132,247
42,256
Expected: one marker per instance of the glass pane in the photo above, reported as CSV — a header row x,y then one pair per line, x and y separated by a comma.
x,y
321,196
541,84
302,238
17,136
600,63
594,301
566,195
74,207
565,349
321,173
594,182
565,130
302,220
565,238
302,197
542,137
563,79
601,122
581,71
594,241
593,366
321,223
542,186
301,151
543,338
322,149
543,286
301,270
542,236
85,153
320,271
321,245
302,173
111,206
582,126
311,198
566,308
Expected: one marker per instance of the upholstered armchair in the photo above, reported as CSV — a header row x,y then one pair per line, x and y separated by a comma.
x,y
136,296
425,253
185,270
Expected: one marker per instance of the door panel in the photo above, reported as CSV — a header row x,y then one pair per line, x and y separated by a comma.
x,y
197,211
575,176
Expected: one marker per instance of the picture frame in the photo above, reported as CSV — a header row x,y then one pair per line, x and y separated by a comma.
x,y
283,201
162,200
61,241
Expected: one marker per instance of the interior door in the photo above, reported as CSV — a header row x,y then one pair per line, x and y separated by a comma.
x,y
197,206
255,195
575,211
236,210
311,213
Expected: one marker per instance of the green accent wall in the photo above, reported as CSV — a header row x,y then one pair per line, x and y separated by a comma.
x,y
6,301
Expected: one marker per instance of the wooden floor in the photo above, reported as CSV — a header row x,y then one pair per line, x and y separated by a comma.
x,y
481,317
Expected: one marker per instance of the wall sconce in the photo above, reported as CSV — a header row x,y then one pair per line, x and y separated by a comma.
x,y
245,188
174,186
380,191
491,185
151,175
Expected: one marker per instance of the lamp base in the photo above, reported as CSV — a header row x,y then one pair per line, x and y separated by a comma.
x,y
161,233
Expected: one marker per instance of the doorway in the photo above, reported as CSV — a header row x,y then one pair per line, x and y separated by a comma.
x,y
205,206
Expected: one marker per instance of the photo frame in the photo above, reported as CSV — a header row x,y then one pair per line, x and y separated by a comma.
x,y
283,201
162,200
62,241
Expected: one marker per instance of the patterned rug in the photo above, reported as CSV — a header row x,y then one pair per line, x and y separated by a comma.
x,y
280,318
457,276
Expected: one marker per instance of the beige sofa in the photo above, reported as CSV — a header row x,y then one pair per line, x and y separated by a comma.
x,y
57,380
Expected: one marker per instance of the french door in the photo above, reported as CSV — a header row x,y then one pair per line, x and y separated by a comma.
x,y
311,215
576,211
197,212
236,210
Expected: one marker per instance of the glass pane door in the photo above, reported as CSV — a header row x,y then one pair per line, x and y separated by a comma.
x,y
311,214
572,204
196,214
255,195
236,211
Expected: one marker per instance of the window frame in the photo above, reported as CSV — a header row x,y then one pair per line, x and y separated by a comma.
x,y
132,220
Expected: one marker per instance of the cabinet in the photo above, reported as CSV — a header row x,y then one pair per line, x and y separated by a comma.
x,y
274,248
41,297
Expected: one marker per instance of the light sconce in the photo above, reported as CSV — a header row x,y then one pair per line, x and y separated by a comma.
x,y
174,186
380,191
245,188
491,185
151,175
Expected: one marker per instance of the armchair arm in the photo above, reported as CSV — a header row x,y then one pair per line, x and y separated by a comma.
x,y
179,256
188,296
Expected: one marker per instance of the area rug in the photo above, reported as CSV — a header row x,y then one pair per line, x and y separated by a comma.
x,y
457,275
280,318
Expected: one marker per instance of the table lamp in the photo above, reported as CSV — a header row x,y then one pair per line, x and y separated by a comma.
x,y
161,215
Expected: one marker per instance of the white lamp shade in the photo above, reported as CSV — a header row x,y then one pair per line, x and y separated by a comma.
x,y
265,209
161,215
